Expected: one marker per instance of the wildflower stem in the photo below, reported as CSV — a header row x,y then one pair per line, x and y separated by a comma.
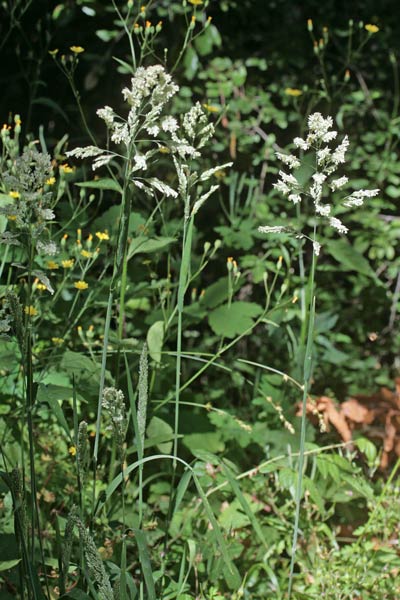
x,y
119,259
307,369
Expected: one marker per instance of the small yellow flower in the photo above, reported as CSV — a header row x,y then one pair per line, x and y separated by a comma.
x,y
86,254
52,265
102,235
53,52
14,194
50,181
12,217
81,285
148,24
30,310
68,263
65,168
57,341
196,2
41,287
72,450
371,28
293,92
77,49
211,108
163,149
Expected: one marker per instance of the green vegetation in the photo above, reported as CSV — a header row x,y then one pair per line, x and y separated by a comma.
x,y
200,289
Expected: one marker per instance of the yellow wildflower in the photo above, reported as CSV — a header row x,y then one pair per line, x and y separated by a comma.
x,y
86,254
77,49
50,181
371,28
12,217
196,2
163,149
72,450
57,341
148,24
41,287
293,92
81,285
30,310
68,263
52,265
65,168
211,108
102,235
53,52
14,194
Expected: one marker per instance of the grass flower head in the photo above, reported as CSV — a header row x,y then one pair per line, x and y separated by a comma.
x,y
323,182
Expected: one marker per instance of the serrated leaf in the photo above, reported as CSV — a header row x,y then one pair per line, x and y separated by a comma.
x,y
230,321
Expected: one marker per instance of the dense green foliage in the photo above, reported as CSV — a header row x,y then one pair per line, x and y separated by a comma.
x,y
153,342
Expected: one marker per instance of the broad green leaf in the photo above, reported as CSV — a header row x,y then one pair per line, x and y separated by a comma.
x,y
155,339
52,394
144,245
230,321
209,440
349,257
9,564
158,428
368,448
314,492
106,183
216,293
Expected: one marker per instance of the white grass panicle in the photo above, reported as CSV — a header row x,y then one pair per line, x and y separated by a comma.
x,y
323,182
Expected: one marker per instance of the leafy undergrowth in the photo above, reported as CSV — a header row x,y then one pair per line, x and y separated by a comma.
x,y
170,293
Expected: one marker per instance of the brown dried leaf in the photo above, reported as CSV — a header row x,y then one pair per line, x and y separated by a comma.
x,y
337,419
354,411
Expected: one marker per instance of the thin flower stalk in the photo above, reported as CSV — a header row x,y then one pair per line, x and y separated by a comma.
x,y
322,185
